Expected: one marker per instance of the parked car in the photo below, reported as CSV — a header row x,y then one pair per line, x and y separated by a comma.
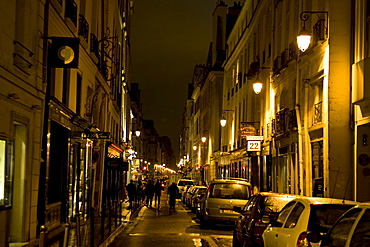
x,y
195,200
184,193
182,183
351,229
302,216
249,226
222,195
190,193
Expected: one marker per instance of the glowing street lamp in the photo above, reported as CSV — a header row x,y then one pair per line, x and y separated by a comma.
x,y
137,133
257,86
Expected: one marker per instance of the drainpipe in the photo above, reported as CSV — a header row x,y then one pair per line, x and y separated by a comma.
x,y
300,136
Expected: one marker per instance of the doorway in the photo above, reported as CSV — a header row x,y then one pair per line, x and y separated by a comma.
x,y
18,217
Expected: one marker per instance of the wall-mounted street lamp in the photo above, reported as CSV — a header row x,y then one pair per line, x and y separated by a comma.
x,y
204,139
195,147
223,119
304,36
137,133
257,86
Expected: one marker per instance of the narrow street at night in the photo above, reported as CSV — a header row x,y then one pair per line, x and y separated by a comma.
x,y
167,227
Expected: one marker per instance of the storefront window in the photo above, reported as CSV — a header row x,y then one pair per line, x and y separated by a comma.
x,y
6,173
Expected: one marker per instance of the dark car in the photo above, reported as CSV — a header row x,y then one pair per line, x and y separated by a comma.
x,y
352,229
248,226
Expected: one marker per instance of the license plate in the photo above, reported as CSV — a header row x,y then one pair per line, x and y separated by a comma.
x,y
226,211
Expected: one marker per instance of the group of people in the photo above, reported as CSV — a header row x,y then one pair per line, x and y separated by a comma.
x,y
151,190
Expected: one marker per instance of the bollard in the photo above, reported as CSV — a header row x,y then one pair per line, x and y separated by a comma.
x,y
42,239
66,235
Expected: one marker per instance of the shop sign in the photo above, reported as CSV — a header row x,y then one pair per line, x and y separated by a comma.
x,y
247,130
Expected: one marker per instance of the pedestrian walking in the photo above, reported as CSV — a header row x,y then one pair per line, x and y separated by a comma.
x,y
131,191
173,191
140,192
158,192
149,192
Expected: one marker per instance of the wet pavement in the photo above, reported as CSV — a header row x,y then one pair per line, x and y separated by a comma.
x,y
167,227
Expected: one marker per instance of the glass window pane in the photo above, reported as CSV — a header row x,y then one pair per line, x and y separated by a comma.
x,y
294,216
339,232
283,215
361,235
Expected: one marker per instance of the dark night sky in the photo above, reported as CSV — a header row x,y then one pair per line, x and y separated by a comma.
x,y
169,37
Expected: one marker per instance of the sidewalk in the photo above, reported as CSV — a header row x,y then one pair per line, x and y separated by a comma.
x,y
85,230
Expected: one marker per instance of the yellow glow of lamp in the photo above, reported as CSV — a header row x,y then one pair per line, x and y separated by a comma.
x,y
137,133
223,121
257,87
204,139
195,147
303,39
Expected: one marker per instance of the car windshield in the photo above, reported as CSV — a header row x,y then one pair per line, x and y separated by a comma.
x,y
324,216
230,191
183,183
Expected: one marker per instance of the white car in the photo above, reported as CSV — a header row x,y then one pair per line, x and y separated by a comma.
x,y
302,216
352,229
182,183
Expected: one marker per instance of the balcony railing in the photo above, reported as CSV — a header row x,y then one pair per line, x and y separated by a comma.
x,y
284,59
318,113
276,67
83,29
71,11
286,121
319,31
292,50
94,45
53,215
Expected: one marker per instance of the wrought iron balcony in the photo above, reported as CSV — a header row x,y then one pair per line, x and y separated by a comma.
x,y
94,45
286,121
292,50
83,29
277,65
71,11
319,31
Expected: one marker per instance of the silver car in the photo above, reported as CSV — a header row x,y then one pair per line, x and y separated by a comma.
x,y
222,196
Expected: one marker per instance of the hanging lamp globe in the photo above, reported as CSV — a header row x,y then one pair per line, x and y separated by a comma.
x,y
223,121
303,39
257,87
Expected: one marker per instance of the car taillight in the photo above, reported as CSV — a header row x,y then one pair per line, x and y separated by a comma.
x,y
302,240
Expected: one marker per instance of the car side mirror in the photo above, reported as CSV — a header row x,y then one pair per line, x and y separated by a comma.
x,y
237,209
266,219
314,237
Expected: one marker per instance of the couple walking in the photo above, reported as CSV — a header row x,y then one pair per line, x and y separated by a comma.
x,y
153,190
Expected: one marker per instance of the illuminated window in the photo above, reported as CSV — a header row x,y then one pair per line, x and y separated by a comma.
x,y
6,173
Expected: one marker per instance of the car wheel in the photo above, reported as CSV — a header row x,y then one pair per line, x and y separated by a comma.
x,y
235,240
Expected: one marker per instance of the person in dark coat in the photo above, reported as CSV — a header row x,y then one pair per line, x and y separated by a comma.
x,y
173,191
149,192
158,192
131,191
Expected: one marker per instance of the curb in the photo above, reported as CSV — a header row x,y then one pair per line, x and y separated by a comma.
x,y
126,221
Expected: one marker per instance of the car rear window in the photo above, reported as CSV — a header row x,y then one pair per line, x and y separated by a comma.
x,y
183,183
273,203
339,232
323,216
230,191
